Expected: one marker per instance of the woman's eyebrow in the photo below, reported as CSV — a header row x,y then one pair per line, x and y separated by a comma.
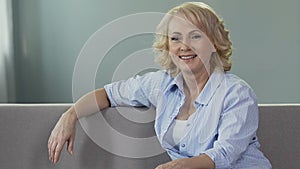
x,y
193,31
177,33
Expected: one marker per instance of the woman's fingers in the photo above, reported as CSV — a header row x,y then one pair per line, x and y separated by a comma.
x,y
57,152
52,150
64,131
71,145
176,164
49,147
55,146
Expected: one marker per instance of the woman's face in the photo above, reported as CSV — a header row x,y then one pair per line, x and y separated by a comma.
x,y
189,47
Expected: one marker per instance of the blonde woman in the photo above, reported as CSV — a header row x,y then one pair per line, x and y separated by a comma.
x,y
205,116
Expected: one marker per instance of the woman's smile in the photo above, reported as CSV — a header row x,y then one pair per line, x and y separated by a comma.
x,y
187,57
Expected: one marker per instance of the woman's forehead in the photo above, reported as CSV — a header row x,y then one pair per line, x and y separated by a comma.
x,y
181,25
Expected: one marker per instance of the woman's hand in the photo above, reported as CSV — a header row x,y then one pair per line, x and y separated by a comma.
x,y
176,164
64,131
198,162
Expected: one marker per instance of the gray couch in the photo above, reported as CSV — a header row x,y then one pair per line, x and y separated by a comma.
x,y
25,129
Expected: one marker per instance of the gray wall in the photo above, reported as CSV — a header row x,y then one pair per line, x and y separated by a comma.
x,y
49,35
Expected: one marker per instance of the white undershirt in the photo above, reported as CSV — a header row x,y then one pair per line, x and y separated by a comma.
x,y
177,130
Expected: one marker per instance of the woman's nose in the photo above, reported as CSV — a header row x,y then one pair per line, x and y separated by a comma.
x,y
184,46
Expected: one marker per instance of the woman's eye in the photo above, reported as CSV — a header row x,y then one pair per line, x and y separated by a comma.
x,y
175,39
196,36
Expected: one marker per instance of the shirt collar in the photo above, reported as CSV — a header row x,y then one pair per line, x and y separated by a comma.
x,y
176,82
207,92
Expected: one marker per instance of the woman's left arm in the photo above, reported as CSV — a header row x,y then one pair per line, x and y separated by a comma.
x,y
237,128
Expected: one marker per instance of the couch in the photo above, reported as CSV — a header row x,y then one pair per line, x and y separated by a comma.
x,y
25,128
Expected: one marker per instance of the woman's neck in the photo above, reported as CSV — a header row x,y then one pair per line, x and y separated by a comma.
x,y
194,83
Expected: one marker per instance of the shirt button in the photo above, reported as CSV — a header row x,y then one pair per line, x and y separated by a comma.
x,y
188,125
182,145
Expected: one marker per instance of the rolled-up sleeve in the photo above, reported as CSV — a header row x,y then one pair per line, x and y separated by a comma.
x,y
127,93
237,127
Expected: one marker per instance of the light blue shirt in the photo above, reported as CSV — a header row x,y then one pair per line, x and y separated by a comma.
x,y
225,122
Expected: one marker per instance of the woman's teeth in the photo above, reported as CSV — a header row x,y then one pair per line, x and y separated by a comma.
x,y
187,57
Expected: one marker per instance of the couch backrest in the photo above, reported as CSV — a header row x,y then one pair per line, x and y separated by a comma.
x,y
279,134
25,130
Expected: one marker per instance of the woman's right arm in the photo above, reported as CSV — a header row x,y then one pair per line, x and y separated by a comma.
x,y
65,129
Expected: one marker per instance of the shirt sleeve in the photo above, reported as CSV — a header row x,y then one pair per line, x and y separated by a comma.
x,y
237,126
132,92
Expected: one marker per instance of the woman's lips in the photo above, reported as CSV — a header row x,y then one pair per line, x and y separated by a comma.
x,y
187,57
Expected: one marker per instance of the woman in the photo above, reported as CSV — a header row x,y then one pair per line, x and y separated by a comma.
x,y
205,116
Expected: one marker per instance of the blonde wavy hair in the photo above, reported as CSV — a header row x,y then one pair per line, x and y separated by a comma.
x,y
204,18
